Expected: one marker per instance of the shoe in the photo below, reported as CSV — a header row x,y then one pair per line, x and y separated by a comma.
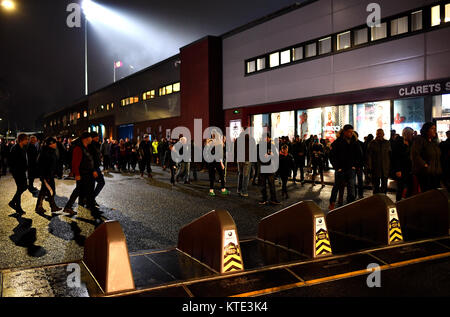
x,y
331,206
225,192
69,211
263,202
12,205
275,202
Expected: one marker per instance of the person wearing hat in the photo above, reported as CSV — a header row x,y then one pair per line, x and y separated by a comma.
x,y
47,168
94,150
84,172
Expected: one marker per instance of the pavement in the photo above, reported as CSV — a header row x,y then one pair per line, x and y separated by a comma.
x,y
151,212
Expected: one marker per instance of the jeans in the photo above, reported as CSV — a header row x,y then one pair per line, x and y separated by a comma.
x,y
184,172
212,168
22,186
254,171
299,164
100,180
376,181
340,178
84,189
270,179
243,177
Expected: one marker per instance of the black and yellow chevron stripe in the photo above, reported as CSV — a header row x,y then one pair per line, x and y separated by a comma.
x,y
232,263
323,245
395,232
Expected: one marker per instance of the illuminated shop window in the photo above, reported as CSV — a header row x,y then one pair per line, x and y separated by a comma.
x,y
176,87
162,91
325,45
78,115
261,63
416,21
169,89
436,15
379,32
285,57
297,53
360,36
112,105
343,40
283,124
447,13
311,50
274,59
251,66
148,95
399,26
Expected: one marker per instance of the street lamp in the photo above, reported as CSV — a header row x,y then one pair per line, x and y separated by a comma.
x,y
85,6
8,5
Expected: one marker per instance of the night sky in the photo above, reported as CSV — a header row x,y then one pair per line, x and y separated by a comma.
x,y
42,60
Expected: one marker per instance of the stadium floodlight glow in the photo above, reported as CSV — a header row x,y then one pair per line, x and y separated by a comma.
x,y
8,4
96,13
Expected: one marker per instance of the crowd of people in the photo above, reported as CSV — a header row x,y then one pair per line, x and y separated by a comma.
x,y
417,162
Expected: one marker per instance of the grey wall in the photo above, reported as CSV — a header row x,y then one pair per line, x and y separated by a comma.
x,y
415,58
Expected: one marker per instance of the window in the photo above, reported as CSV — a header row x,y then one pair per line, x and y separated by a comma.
x,y
360,36
148,95
297,53
379,32
112,105
311,50
447,13
274,59
162,91
107,107
251,66
129,101
325,45
285,57
169,89
343,40
85,114
261,63
78,115
176,87
399,26
416,21
436,15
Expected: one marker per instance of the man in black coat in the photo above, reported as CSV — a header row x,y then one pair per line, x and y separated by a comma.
x,y
146,154
299,154
18,164
402,164
94,150
345,156
32,154
47,167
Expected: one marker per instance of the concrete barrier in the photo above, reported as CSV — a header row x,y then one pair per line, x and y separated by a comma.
x,y
373,219
425,215
106,257
301,227
213,240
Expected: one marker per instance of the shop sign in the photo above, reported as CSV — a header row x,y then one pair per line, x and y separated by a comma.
x,y
424,89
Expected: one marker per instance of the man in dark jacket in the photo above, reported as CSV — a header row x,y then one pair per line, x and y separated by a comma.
x,y
286,165
299,154
402,164
146,153
267,178
445,160
18,164
378,162
47,167
32,154
85,174
94,150
345,156
426,158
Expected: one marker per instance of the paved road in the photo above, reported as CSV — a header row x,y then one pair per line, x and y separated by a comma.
x,y
151,213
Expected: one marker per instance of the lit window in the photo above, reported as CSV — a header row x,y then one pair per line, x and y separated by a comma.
x,y
325,45
447,13
275,59
176,88
436,15
261,63
360,36
123,102
379,32
162,91
90,112
85,114
169,89
78,115
251,67
107,107
311,50
399,26
285,57
416,21
343,40
136,99
297,53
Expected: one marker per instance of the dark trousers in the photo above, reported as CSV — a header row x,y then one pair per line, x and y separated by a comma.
x,y
145,163
341,178
379,184
301,166
22,186
284,180
100,180
406,181
84,189
212,168
106,162
270,180
173,171
360,188
45,192
428,182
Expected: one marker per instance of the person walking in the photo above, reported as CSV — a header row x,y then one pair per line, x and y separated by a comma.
x,y
215,165
345,155
299,154
286,165
359,189
267,177
184,171
105,150
426,158
32,155
47,164
378,162
18,164
145,154
155,145
94,150
243,167
317,160
402,164
84,171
